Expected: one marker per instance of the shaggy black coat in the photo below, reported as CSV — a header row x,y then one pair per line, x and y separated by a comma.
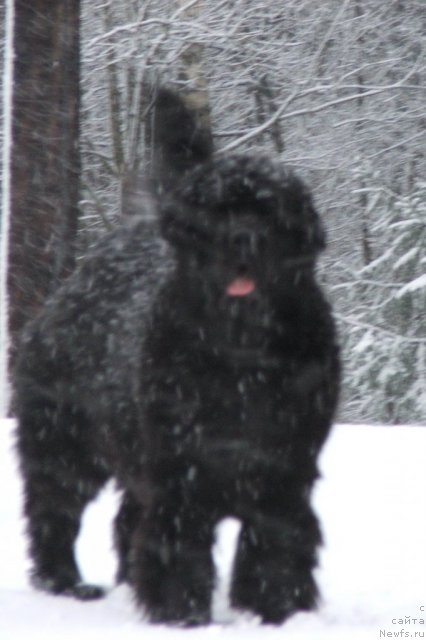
x,y
196,363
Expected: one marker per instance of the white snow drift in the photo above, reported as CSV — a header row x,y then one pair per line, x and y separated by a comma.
x,y
371,502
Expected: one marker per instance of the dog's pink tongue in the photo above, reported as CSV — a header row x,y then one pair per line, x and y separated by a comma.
x,y
240,287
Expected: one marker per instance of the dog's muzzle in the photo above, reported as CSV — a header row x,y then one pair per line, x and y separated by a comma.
x,y
244,245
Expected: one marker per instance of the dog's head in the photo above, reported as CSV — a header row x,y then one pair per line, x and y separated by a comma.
x,y
240,224
245,221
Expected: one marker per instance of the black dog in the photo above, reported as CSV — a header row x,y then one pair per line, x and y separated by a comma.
x,y
198,366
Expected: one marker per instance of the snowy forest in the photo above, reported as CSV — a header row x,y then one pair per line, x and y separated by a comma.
x,y
336,89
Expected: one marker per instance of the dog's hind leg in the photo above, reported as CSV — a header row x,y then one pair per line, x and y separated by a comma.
x,y
125,524
60,478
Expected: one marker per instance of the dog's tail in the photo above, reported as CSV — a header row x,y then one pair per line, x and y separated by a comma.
x,y
182,136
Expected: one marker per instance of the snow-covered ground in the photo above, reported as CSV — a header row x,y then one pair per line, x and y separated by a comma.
x,y
372,575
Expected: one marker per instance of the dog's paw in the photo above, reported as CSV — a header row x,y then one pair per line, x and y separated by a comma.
x,y
176,618
83,591
78,590
275,603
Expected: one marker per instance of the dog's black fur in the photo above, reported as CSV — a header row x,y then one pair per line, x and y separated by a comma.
x,y
198,366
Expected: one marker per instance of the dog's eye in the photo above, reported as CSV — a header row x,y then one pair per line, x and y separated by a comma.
x,y
188,232
181,228
197,233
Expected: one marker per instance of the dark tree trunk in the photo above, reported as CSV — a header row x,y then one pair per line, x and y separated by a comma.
x,y
363,200
266,106
45,156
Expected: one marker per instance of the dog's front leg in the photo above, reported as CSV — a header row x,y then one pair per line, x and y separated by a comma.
x,y
275,560
173,572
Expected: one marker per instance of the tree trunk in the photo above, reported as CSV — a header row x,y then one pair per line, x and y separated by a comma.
x,y
266,106
363,200
45,160
192,75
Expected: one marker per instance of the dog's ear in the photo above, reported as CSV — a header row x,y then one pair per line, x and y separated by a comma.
x,y
301,213
307,221
316,234
182,136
